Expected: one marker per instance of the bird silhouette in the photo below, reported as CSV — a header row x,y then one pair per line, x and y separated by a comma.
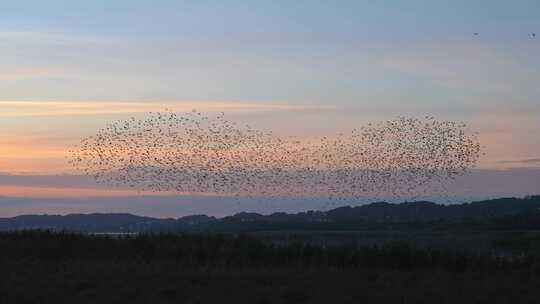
x,y
196,153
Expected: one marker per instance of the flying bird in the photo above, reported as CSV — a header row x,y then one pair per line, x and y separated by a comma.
x,y
196,153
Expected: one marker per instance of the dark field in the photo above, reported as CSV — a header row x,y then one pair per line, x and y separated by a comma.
x,y
43,267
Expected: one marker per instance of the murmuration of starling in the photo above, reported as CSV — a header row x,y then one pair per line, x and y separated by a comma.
x,y
196,153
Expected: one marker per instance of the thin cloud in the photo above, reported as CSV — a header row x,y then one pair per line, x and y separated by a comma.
x,y
22,73
70,186
498,182
63,108
51,38
522,161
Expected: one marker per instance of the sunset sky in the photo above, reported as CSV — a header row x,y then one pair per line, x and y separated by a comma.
x,y
303,68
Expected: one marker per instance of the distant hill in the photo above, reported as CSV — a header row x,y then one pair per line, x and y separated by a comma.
x,y
503,212
98,222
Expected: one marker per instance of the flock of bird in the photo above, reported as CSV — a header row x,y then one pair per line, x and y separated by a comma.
x,y
530,35
196,153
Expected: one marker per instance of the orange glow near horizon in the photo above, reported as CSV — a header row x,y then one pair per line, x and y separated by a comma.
x,y
60,192
67,192
39,144
35,136
26,155
70,108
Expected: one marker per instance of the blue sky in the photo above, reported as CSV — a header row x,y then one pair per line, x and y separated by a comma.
x,y
302,67
307,52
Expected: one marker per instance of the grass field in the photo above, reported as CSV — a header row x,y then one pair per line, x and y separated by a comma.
x,y
44,267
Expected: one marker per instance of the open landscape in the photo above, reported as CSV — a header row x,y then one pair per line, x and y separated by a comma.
x,y
198,268
405,253
232,151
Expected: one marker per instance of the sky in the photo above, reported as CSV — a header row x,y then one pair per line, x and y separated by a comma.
x,y
306,68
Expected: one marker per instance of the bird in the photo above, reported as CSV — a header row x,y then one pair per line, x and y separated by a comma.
x,y
197,153
532,35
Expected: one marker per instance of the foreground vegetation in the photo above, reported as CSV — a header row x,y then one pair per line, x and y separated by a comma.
x,y
46,267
